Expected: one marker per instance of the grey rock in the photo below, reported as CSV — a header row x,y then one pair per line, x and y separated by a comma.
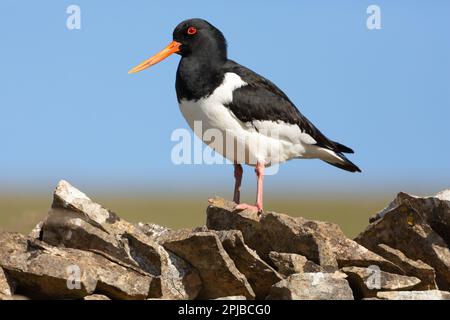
x,y
82,250
232,298
96,297
44,271
414,268
205,252
321,242
418,227
7,285
5,297
259,274
312,286
76,221
290,263
13,297
414,295
179,280
153,230
36,232
366,282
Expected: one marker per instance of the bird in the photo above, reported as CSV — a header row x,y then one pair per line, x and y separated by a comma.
x,y
263,124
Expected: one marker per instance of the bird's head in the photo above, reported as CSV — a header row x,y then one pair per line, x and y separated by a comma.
x,y
193,37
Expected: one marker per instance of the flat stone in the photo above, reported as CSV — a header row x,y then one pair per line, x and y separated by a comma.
x,y
414,295
259,274
96,297
366,282
204,251
153,230
232,298
414,268
312,286
290,263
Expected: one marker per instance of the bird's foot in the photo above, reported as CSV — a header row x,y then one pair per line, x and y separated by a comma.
x,y
244,206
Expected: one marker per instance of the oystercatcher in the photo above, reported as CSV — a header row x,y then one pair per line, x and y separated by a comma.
x,y
264,126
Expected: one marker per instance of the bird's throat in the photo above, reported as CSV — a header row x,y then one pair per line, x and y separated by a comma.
x,y
198,76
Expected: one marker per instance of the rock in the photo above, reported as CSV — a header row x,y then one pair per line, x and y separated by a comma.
x,y
418,227
232,298
5,297
205,252
153,230
82,250
96,297
7,285
14,297
49,272
410,267
367,281
290,263
321,242
414,295
76,221
312,286
65,228
259,274
36,232
67,197
179,280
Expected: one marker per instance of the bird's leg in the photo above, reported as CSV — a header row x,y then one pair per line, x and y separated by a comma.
x,y
237,185
260,186
259,191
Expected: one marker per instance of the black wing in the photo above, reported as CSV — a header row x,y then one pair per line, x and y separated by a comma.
x,y
263,100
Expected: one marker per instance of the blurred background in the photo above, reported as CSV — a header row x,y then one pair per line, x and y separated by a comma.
x,y
69,110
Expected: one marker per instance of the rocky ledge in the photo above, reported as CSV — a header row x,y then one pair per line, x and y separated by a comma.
x,y
84,251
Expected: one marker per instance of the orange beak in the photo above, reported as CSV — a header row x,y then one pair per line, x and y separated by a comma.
x,y
173,47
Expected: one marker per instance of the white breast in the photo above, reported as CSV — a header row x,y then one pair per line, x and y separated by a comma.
x,y
268,142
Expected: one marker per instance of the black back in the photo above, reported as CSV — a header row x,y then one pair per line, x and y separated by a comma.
x,y
263,100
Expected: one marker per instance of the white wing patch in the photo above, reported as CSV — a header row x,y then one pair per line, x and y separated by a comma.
x,y
283,130
211,110
224,93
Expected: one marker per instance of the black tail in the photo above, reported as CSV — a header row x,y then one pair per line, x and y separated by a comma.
x,y
346,165
342,148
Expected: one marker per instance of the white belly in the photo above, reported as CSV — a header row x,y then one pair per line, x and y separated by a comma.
x,y
267,142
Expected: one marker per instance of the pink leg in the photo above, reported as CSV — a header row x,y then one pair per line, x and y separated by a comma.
x,y
259,191
260,186
237,185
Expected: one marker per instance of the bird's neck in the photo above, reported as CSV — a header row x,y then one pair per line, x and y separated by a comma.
x,y
198,76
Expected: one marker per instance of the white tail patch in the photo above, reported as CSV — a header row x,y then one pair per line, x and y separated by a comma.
x,y
329,156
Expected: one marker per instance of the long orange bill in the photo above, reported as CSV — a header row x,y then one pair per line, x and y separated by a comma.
x,y
173,47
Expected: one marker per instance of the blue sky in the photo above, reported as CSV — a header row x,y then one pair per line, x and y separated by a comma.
x,y
70,110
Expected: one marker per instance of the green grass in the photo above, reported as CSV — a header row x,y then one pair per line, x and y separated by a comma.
x,y
22,213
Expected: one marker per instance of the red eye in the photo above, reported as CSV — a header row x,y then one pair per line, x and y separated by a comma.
x,y
191,31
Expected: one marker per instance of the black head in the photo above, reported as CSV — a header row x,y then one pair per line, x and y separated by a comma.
x,y
192,38
199,37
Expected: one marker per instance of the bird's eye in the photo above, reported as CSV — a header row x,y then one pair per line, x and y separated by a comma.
x,y
191,31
